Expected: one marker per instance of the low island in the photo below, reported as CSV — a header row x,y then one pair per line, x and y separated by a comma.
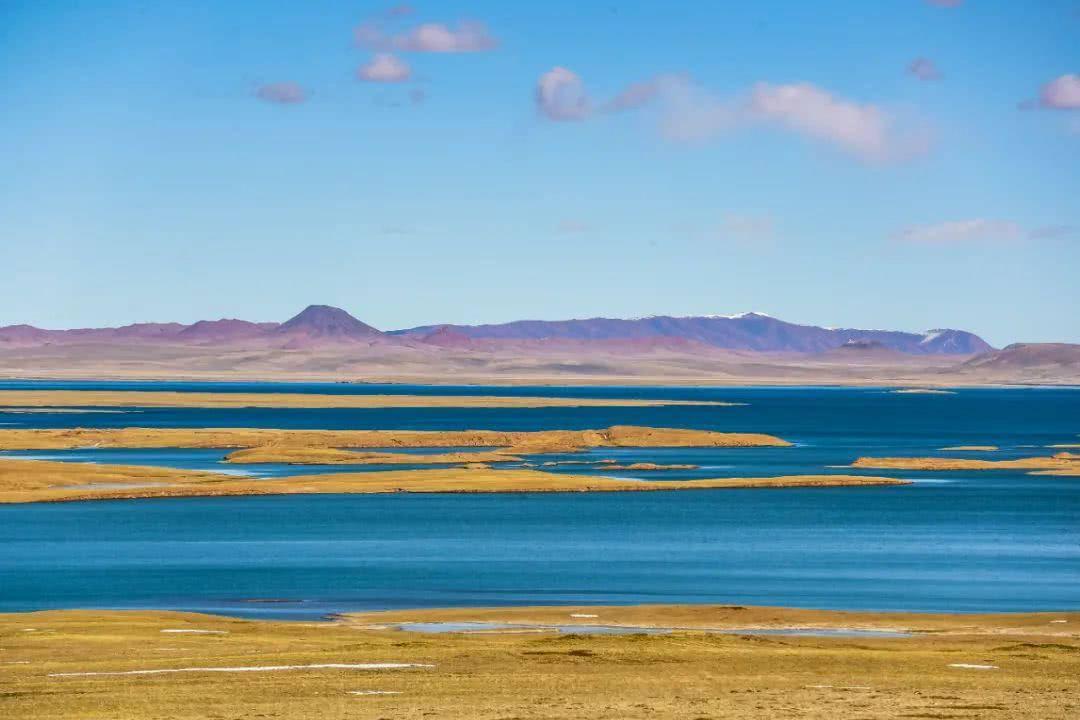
x,y
24,481
1063,463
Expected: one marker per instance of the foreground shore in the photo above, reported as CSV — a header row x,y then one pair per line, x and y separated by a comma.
x,y
135,665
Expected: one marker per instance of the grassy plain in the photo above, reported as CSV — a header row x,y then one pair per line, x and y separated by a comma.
x,y
1026,667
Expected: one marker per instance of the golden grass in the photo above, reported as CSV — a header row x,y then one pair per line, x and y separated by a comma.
x,y
24,481
30,478
684,676
140,398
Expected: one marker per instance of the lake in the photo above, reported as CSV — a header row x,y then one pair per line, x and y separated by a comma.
x,y
953,541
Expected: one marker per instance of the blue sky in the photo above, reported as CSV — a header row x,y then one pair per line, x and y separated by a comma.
x,y
179,161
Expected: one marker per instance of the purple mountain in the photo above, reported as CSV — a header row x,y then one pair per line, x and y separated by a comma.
x,y
320,323
324,325
748,331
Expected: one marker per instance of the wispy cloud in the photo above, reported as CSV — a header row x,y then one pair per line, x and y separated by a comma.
x,y
978,230
571,226
384,68
861,129
864,130
690,113
1052,232
748,229
465,36
945,3
561,95
639,94
397,230
281,93
438,38
924,69
956,231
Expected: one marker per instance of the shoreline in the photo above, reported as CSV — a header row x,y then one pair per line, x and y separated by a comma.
x,y
711,616
545,381
704,616
57,399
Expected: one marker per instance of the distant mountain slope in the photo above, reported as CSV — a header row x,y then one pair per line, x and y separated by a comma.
x,y
18,335
27,334
313,326
224,331
1048,356
749,331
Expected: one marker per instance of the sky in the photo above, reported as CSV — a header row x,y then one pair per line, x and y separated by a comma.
x,y
900,164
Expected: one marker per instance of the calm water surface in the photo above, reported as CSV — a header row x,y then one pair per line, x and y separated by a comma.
x,y
975,541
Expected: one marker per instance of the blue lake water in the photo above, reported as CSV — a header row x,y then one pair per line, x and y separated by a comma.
x,y
967,541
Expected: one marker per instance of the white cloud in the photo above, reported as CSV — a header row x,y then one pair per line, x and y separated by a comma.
x,y
1062,93
463,37
439,38
560,95
384,68
861,129
689,113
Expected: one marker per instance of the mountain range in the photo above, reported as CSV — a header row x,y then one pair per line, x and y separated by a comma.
x,y
327,343
322,325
